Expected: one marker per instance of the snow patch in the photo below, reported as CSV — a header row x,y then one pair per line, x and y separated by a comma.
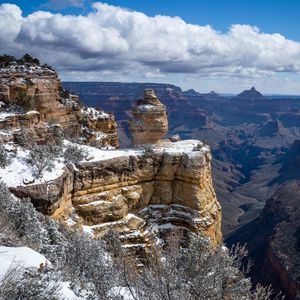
x,y
20,258
20,171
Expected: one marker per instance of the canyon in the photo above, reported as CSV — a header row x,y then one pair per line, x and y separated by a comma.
x,y
246,136
140,193
139,180
255,146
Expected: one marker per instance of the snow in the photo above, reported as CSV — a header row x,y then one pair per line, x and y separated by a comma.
x,y
32,112
20,258
134,195
94,203
147,108
105,154
19,171
88,230
70,222
136,233
94,114
29,69
66,293
4,115
133,246
185,146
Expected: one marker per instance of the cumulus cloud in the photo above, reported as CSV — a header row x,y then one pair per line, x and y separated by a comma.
x,y
114,38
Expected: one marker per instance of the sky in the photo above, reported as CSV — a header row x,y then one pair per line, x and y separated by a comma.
x,y
219,45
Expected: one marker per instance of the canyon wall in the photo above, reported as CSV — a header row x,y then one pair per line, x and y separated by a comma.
x,y
139,196
42,87
273,241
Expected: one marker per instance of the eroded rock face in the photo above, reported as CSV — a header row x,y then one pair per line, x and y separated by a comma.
x,y
273,241
149,123
98,128
139,195
44,87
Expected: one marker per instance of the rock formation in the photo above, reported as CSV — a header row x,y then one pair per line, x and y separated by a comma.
x,y
42,86
251,94
139,194
149,123
136,195
270,128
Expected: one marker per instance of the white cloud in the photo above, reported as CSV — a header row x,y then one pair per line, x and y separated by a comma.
x,y
119,40
10,24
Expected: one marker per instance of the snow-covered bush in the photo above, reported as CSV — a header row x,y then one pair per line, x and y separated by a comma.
x,y
32,285
199,147
74,154
75,258
56,134
148,150
174,272
4,158
88,266
24,137
169,271
55,142
41,158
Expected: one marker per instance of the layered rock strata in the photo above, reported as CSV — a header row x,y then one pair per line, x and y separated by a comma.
x,y
139,196
149,123
43,87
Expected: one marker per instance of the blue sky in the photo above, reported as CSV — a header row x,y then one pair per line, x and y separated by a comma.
x,y
269,61
269,15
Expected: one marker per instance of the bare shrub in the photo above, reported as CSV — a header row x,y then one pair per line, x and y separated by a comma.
x,y
56,140
24,137
24,102
148,150
4,157
30,284
74,154
199,147
41,158
196,272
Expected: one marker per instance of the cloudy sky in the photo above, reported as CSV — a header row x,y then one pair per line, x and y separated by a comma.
x,y
218,45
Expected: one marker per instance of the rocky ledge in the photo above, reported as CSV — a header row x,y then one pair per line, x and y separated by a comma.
x,y
39,89
140,194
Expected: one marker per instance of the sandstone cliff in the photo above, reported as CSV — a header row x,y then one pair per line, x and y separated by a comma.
x,y
139,194
43,87
135,194
149,123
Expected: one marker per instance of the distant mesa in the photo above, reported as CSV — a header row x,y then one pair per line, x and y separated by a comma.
x,y
191,92
251,94
212,95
